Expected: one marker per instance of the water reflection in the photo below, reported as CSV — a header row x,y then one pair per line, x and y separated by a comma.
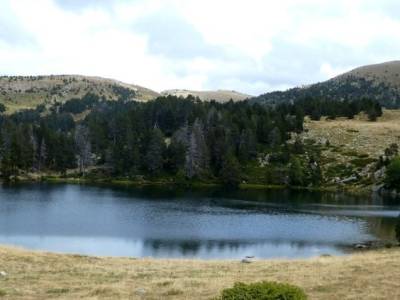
x,y
162,248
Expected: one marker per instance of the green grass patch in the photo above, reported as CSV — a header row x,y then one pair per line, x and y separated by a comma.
x,y
104,292
254,173
165,283
339,170
174,292
350,153
352,131
57,291
362,162
252,186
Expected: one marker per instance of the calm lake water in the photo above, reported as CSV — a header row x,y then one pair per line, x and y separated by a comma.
x,y
171,223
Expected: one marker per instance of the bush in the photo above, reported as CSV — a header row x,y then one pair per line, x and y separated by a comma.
x,y
263,291
296,172
398,229
393,173
2,293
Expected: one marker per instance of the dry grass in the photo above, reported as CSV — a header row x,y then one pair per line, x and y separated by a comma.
x,y
388,73
38,275
359,134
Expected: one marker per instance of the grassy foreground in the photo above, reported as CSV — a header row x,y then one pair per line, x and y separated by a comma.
x,y
40,275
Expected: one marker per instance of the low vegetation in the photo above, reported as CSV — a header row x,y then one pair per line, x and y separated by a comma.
x,y
263,291
38,275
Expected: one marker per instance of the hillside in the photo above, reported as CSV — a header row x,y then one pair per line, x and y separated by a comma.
x,y
39,275
359,134
350,149
20,92
387,73
379,82
219,95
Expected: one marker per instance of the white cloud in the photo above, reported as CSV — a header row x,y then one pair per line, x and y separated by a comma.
x,y
252,46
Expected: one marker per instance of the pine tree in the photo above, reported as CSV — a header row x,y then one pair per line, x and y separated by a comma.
x,y
5,163
230,172
64,153
247,145
155,149
26,143
275,137
132,156
296,174
175,156
298,147
299,115
83,148
42,156
197,159
315,172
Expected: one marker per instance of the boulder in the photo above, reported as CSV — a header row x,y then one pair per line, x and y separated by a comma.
x,y
380,174
349,179
378,188
140,291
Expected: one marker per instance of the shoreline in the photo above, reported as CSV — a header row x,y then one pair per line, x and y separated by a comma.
x,y
27,274
348,190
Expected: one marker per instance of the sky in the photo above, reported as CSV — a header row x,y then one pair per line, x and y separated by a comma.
x,y
252,46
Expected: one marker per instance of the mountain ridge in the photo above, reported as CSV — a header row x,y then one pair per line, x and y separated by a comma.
x,y
27,92
24,92
218,95
388,72
380,82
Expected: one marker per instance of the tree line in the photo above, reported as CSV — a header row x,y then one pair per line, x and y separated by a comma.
x,y
170,136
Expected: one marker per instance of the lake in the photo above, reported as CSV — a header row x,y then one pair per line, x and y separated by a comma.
x,y
174,223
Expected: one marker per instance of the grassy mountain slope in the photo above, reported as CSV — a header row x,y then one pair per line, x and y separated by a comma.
x,y
359,134
388,73
20,92
219,95
379,82
350,149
